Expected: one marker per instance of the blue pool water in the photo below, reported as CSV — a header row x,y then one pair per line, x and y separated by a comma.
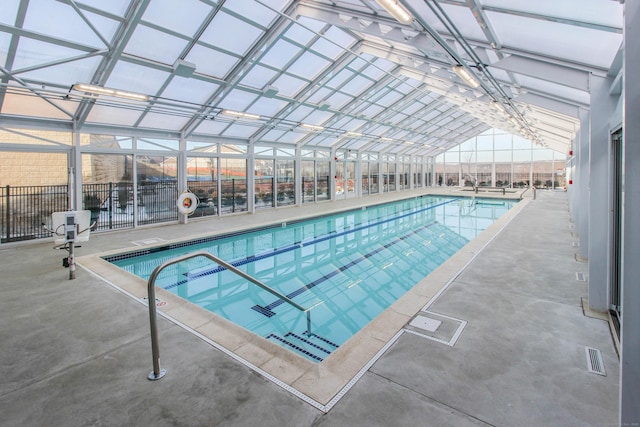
x,y
349,267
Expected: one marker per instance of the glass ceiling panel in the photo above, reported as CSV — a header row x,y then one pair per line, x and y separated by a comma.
x,y
39,19
390,98
300,114
238,100
253,11
113,116
358,84
9,12
289,86
15,105
116,7
67,73
163,121
291,137
338,79
240,131
189,90
339,99
280,54
556,89
319,95
299,34
166,48
5,39
136,78
267,106
308,66
593,11
258,76
579,44
211,127
464,21
211,62
181,19
230,33
32,52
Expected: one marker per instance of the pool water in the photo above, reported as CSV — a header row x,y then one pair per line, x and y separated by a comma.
x,y
348,267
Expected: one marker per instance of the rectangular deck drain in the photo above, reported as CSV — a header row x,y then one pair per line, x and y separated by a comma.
x,y
595,364
580,277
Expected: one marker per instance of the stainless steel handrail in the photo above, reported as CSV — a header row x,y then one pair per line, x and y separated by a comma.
x,y
158,373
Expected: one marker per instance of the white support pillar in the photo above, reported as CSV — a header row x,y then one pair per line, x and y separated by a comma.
x,y
581,184
603,108
630,335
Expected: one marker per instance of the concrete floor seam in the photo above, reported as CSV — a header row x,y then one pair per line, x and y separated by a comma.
x,y
435,401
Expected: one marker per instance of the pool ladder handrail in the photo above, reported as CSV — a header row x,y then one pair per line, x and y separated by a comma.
x,y
158,373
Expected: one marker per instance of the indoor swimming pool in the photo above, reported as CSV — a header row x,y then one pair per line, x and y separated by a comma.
x,y
345,268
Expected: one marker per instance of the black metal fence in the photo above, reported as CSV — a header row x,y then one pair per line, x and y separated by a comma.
x,y
25,208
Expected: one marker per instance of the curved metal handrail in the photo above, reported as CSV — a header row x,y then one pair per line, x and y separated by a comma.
x,y
158,373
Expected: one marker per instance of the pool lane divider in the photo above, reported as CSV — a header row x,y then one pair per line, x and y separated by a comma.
x,y
298,245
268,309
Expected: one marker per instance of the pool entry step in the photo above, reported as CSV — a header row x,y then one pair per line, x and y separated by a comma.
x,y
312,346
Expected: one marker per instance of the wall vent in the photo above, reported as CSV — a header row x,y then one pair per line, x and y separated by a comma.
x,y
595,364
581,277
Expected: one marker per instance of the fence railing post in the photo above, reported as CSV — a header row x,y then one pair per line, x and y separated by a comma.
x,y
8,213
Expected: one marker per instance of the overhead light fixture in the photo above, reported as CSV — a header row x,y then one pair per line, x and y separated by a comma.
x,y
396,10
312,127
352,134
100,90
465,75
240,114
384,138
498,106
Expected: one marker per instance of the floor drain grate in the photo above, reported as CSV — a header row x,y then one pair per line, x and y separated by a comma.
x,y
581,277
595,364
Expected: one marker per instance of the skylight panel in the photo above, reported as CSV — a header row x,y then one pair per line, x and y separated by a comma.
x,y
115,7
258,77
267,107
338,79
155,45
280,54
339,99
358,84
9,13
14,104
328,48
253,11
230,33
301,35
189,90
136,78
113,115
308,66
66,73
32,52
390,98
39,19
339,37
319,95
179,19
211,62
562,41
237,100
240,131
590,11
288,85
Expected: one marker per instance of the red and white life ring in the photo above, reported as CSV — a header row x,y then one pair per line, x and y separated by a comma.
x,y
187,203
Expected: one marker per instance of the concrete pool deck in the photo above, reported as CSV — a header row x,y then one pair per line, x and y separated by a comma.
x,y
78,352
